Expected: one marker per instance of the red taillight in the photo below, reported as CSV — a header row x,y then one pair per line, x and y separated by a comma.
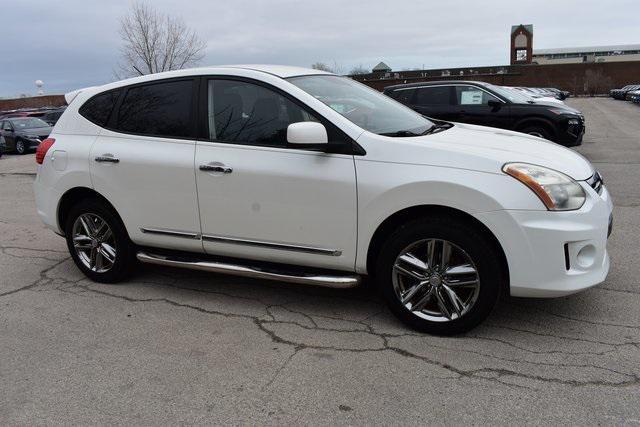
x,y
42,149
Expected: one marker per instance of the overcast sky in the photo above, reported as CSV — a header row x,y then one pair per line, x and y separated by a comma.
x,y
71,44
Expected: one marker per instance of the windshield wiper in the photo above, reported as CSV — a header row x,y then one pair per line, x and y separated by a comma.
x,y
437,128
400,133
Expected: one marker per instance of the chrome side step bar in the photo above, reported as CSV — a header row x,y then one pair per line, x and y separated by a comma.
x,y
328,281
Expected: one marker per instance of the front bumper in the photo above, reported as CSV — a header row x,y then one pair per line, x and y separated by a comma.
x,y
571,132
552,254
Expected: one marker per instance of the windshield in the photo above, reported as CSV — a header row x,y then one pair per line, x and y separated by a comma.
x,y
512,95
364,106
28,123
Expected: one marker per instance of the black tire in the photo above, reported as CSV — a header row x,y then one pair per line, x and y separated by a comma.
x,y
538,131
21,147
478,246
125,259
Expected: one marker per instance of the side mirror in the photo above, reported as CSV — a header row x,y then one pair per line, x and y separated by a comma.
x,y
496,105
307,134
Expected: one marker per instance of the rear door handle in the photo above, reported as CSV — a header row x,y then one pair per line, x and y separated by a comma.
x,y
107,158
215,167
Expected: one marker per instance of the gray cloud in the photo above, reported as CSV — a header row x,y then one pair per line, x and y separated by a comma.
x,y
74,43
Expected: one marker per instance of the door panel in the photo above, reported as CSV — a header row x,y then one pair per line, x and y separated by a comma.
x,y
278,205
9,136
152,187
144,166
261,198
473,108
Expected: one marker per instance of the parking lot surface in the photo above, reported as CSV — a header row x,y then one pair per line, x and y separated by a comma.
x,y
176,346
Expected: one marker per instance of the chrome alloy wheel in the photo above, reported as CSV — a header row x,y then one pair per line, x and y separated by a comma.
x,y
436,280
94,242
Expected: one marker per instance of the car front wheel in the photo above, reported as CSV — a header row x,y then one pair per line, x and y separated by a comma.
x,y
440,275
98,242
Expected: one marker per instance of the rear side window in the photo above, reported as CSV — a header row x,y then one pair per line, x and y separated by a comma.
x,y
159,109
434,95
98,108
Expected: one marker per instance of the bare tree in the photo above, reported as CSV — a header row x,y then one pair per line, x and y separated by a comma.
x,y
154,42
359,69
335,68
595,82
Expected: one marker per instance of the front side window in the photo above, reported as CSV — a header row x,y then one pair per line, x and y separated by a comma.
x,y
158,109
98,108
434,95
471,95
251,114
365,107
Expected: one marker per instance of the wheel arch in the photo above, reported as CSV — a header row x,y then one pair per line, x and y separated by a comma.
x,y
537,121
72,197
407,214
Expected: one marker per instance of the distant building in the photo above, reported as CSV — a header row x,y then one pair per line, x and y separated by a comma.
x,y
575,55
381,68
521,44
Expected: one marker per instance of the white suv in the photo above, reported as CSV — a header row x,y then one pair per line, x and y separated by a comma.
x,y
303,176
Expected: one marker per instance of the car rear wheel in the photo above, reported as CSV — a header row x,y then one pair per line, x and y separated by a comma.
x,y
98,242
20,147
440,275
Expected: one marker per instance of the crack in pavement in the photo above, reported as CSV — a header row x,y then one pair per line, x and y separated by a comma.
x,y
43,279
270,319
496,374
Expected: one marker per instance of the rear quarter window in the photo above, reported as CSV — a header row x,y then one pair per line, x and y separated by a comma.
x,y
98,109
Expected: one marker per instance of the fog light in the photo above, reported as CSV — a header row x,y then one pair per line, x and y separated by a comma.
x,y
586,256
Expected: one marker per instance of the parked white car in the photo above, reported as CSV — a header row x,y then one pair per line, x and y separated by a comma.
x,y
303,176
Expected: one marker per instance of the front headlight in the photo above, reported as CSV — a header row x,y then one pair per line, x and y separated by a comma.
x,y
556,190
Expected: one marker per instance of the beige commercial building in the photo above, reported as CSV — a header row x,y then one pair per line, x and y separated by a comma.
x,y
575,55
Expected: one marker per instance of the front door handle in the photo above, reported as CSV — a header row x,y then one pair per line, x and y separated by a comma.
x,y
107,158
216,167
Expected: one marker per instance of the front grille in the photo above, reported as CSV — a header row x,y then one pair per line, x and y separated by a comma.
x,y
596,182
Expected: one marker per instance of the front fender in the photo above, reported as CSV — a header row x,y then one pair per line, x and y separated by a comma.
x,y
385,189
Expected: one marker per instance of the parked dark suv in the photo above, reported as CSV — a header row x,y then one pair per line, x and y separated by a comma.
x,y
488,105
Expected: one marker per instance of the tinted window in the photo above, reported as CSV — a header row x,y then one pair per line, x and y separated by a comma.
x,y
98,108
250,114
403,95
434,95
471,95
160,109
52,116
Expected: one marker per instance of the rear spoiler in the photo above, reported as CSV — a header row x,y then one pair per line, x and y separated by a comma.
x,y
69,97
